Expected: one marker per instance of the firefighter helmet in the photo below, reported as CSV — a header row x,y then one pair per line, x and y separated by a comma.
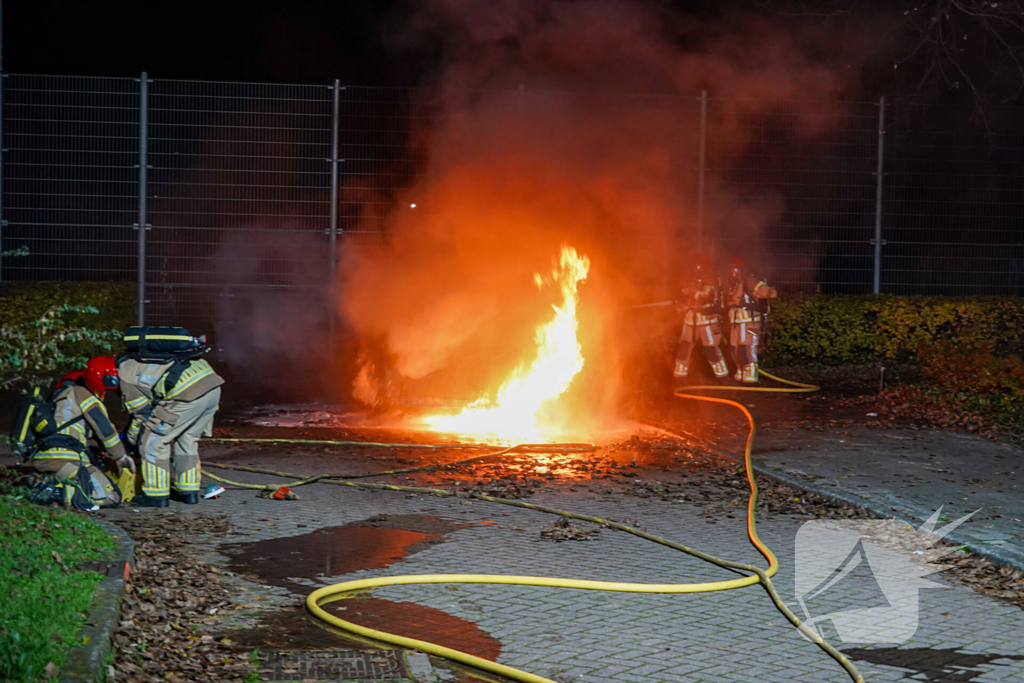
x,y
75,376
101,374
736,265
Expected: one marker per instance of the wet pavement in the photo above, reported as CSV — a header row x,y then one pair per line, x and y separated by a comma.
x,y
932,664
332,551
279,551
907,472
282,550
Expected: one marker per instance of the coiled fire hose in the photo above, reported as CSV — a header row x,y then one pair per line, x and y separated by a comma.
x,y
754,575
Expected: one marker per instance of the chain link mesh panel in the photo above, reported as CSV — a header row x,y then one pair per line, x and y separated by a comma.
x,y
70,177
376,157
792,190
239,187
953,202
239,196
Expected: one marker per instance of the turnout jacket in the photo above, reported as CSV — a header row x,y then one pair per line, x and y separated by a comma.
x,y
701,303
146,394
748,300
72,402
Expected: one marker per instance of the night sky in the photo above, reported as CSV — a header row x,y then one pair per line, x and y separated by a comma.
x,y
262,40
361,42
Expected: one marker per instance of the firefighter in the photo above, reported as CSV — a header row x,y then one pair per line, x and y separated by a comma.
x,y
81,417
747,300
702,306
172,405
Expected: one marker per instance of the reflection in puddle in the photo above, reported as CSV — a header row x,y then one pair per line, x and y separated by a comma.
x,y
293,628
417,621
370,544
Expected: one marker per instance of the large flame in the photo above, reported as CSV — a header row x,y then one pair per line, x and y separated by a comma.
x,y
516,412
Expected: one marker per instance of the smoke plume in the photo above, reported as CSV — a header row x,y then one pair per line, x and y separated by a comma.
x,y
598,150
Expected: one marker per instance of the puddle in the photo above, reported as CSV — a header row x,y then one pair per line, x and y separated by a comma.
x,y
369,544
293,628
932,664
417,621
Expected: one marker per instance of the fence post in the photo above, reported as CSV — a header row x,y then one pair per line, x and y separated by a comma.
x,y
142,226
701,164
879,175
3,223
334,204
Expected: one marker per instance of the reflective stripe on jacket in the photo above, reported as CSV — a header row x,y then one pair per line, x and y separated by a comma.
x,y
75,401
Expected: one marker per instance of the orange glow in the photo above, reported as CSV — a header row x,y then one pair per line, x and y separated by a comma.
x,y
517,411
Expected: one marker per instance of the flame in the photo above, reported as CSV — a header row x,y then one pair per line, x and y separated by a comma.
x,y
516,412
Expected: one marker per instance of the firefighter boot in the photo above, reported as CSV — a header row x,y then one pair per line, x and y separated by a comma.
x,y
188,498
720,369
681,370
750,373
146,501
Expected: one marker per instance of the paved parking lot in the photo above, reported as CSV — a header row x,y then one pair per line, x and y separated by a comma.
x,y
574,636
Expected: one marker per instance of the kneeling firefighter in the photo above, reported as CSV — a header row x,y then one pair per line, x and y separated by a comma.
x,y
702,305
172,395
747,300
56,435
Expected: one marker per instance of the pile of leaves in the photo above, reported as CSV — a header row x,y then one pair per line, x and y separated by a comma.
x,y
564,530
43,594
169,604
961,386
510,487
983,576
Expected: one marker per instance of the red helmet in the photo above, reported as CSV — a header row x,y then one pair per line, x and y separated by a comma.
x,y
76,376
101,374
736,264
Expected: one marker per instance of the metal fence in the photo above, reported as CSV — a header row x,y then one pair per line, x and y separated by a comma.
x,y
70,177
216,196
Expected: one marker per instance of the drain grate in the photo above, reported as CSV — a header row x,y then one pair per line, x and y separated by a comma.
x,y
332,665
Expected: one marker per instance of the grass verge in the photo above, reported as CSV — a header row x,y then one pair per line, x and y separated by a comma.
x,y
43,597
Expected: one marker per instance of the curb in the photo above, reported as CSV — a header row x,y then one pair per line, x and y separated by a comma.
x,y
87,663
993,554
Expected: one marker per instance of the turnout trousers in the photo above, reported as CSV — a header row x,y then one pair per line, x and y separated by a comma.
x,y
163,445
743,340
64,465
703,330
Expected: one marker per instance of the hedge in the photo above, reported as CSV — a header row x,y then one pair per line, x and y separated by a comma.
x,y
842,329
82,320
22,302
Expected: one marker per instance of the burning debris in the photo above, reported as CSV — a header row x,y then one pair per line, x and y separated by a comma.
x,y
515,412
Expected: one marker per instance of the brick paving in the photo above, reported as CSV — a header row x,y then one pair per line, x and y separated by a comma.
x,y
906,471
910,473
582,636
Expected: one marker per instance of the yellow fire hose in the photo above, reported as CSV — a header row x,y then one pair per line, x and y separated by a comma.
x,y
753,576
